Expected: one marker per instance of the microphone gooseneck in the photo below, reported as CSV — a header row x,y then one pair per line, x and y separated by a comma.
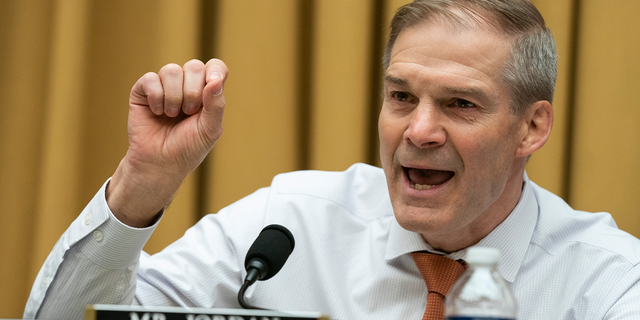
x,y
265,258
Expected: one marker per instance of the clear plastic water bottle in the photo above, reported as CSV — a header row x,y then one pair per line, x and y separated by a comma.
x,y
481,293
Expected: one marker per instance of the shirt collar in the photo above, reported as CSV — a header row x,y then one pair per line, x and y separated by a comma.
x,y
511,237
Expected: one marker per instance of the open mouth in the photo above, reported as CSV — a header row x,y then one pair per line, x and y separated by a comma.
x,y
425,179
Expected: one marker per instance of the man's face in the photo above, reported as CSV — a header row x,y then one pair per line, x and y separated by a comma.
x,y
447,137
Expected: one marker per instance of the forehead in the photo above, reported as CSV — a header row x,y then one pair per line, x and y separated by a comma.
x,y
478,54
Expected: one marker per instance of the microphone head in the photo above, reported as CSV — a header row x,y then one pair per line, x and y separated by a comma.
x,y
273,246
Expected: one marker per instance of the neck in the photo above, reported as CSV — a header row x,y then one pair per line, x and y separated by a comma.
x,y
478,229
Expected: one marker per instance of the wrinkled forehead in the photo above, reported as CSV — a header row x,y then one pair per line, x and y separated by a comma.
x,y
463,40
472,52
457,18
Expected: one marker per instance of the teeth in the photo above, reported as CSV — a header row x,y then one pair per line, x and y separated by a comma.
x,y
421,186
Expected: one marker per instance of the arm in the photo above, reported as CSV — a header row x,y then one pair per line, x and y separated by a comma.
x,y
175,119
93,261
621,301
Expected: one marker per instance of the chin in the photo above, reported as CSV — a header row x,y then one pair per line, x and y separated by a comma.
x,y
424,220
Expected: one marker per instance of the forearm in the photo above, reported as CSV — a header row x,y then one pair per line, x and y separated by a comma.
x,y
81,282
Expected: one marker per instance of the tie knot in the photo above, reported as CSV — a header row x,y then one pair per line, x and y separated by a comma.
x,y
439,273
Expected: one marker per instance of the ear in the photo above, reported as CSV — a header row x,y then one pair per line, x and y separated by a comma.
x,y
538,122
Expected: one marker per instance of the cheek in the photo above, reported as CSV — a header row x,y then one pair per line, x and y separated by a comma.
x,y
488,160
479,150
389,135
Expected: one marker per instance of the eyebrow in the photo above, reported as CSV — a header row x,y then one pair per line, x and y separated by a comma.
x,y
477,92
473,91
395,80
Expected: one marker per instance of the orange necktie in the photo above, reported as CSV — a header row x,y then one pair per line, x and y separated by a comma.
x,y
439,274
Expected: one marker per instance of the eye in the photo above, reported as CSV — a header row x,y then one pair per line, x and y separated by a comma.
x,y
401,96
463,104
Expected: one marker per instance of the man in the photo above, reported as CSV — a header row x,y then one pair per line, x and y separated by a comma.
x,y
468,86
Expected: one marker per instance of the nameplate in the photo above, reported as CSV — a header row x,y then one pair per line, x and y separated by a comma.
x,y
118,312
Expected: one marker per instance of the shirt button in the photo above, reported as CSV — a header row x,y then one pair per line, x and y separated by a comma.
x,y
46,282
98,236
87,218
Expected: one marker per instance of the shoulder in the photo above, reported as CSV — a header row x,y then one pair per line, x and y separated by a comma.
x,y
581,260
561,227
361,189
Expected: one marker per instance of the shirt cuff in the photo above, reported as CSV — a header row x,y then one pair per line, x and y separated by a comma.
x,y
112,244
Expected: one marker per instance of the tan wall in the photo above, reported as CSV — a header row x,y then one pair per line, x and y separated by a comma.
x,y
303,94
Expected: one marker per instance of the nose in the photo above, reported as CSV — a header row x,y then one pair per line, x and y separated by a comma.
x,y
425,128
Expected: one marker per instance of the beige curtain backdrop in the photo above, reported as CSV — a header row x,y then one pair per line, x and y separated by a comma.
x,y
303,93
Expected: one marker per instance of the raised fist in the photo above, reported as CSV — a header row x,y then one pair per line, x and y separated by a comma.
x,y
175,119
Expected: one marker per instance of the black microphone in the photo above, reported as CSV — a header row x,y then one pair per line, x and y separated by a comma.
x,y
265,258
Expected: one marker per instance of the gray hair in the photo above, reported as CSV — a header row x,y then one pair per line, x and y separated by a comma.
x,y
530,73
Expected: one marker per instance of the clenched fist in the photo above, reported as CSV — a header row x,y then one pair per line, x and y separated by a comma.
x,y
175,119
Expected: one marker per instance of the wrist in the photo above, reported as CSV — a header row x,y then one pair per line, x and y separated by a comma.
x,y
138,197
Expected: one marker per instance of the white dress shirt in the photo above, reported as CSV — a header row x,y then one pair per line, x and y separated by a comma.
x,y
351,258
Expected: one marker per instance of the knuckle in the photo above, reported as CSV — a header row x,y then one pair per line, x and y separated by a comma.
x,y
219,63
148,78
155,95
193,65
170,69
192,93
220,105
173,98
148,85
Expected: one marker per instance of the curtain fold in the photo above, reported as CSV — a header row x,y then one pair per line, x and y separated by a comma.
x,y
257,41
25,31
60,177
340,86
606,153
303,93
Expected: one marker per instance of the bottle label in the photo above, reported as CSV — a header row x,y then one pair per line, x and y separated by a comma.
x,y
476,318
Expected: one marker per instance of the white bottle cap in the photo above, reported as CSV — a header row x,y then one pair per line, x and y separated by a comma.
x,y
482,255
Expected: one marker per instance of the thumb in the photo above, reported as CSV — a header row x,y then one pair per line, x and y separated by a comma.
x,y
210,122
